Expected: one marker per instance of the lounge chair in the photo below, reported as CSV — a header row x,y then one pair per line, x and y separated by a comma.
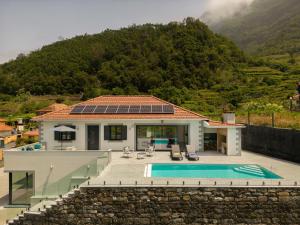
x,y
150,151
127,152
190,153
176,153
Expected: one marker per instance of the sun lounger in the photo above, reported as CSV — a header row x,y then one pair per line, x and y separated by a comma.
x,y
190,153
127,152
176,153
150,151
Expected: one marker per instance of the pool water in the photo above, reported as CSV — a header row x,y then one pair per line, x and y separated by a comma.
x,y
232,171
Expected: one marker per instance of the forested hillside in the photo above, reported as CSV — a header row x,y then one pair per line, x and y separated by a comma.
x,y
132,60
267,27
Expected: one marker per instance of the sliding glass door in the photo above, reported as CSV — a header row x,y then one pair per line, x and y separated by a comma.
x,y
161,136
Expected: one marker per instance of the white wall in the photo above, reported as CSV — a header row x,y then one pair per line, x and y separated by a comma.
x,y
234,141
47,133
63,163
5,133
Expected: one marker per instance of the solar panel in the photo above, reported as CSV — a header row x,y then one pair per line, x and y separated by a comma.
x,y
145,109
89,109
168,109
77,109
123,109
134,109
157,109
111,109
100,109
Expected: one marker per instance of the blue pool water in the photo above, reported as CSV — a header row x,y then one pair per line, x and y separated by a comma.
x,y
232,171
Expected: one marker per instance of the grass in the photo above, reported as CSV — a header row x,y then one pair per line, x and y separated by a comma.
x,y
282,120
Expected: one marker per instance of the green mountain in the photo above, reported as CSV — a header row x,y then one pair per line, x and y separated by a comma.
x,y
131,60
266,27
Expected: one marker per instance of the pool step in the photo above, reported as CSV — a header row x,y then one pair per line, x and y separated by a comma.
x,y
251,170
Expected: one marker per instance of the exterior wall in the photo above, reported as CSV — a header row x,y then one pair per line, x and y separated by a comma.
x,y
8,137
5,133
47,133
172,205
233,141
48,166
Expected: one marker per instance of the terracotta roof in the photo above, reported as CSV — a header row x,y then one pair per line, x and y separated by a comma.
x,y
4,127
32,133
2,120
53,107
180,113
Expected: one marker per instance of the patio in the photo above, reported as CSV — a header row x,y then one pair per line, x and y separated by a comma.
x,y
130,170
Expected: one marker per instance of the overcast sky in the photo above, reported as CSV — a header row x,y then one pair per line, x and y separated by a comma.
x,y
26,25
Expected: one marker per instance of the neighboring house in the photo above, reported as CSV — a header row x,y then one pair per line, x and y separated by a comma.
x,y
102,123
113,122
7,134
52,108
31,133
2,121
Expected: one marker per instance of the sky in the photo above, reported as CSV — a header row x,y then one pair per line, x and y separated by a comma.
x,y
27,25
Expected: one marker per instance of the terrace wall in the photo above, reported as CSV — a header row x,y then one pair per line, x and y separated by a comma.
x,y
275,142
172,205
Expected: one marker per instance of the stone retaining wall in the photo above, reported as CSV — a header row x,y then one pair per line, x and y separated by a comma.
x,y
172,205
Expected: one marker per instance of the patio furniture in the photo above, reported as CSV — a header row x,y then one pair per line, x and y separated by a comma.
x,y
37,146
140,155
176,153
150,150
61,129
127,153
191,153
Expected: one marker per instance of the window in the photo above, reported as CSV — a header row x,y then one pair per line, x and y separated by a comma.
x,y
65,136
115,132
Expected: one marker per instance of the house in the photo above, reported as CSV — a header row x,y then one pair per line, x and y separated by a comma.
x,y
113,122
97,126
7,134
32,134
52,108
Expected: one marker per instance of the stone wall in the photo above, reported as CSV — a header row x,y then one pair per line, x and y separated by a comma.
x,y
172,205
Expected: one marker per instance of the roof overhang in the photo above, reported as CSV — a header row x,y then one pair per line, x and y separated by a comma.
x,y
210,124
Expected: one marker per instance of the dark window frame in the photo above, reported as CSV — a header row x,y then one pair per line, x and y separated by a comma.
x,y
115,133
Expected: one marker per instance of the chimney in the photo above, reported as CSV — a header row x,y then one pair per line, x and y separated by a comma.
x,y
228,117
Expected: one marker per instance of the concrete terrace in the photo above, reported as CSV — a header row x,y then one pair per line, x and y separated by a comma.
x,y
130,170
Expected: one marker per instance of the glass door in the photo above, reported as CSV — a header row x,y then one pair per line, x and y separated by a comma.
x,y
93,137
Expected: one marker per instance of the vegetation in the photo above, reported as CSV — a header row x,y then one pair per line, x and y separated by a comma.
x,y
268,27
132,60
184,63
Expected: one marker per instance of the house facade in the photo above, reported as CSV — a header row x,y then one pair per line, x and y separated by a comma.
x,y
77,141
114,122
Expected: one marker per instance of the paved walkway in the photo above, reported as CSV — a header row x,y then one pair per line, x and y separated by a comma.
x,y
129,170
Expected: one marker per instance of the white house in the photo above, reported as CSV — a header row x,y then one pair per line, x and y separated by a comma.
x,y
113,122
108,122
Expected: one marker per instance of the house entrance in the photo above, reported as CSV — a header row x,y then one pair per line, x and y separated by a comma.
x,y
93,137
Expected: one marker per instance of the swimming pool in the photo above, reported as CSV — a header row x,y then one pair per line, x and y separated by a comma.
x,y
227,171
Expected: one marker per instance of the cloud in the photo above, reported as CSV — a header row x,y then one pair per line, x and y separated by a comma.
x,y
217,10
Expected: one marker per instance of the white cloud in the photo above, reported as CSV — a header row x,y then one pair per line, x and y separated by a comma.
x,y
219,9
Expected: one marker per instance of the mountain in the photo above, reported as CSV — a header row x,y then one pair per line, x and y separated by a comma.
x,y
131,60
265,27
